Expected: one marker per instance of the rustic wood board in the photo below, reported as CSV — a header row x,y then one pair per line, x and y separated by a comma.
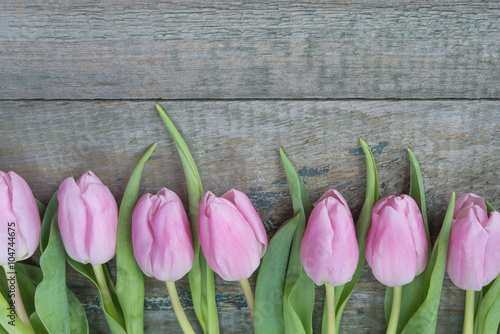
x,y
260,49
235,144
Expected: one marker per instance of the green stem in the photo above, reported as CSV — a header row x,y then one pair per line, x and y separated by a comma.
x,y
396,308
179,312
330,309
18,301
107,301
247,291
469,312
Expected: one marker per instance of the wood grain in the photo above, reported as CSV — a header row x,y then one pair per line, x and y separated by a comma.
x,y
258,49
235,144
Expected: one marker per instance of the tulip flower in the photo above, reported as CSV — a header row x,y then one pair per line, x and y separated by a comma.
x,y
162,242
329,249
473,252
232,237
396,246
20,234
88,222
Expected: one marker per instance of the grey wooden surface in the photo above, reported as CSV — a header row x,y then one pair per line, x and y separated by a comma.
x,y
260,49
78,83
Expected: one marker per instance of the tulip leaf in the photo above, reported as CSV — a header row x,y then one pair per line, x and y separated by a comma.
x,y
489,207
488,316
299,288
129,277
270,286
343,292
52,297
37,324
41,208
412,293
201,277
88,271
8,325
425,319
50,211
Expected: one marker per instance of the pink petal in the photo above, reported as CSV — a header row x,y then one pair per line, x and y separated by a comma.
x,y
492,251
72,217
390,251
468,200
102,223
465,264
418,233
6,216
243,204
28,218
142,234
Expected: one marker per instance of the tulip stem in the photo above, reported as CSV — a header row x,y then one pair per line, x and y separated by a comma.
x,y
15,294
247,291
179,312
107,301
330,309
396,308
470,296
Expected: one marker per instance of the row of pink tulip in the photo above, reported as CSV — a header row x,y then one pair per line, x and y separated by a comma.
x,y
233,238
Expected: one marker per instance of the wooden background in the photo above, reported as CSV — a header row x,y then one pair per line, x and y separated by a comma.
x,y
78,84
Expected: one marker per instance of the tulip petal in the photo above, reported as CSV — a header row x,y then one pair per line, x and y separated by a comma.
x,y
418,233
27,216
345,250
142,234
244,205
316,247
229,251
492,253
72,217
6,216
102,215
468,200
172,248
465,264
390,250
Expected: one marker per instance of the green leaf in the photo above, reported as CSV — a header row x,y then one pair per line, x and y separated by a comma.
x,y
201,277
41,208
269,290
28,277
47,221
88,271
424,320
51,299
413,292
489,207
488,315
343,292
299,288
18,327
129,277
37,324
77,318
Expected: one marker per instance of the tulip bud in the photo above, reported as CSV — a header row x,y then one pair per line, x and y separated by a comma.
x,y
329,250
161,236
473,252
231,234
396,245
88,219
19,218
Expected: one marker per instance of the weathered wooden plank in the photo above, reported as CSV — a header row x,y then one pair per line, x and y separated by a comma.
x,y
235,144
259,49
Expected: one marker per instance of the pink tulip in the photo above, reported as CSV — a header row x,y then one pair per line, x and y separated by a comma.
x,y
329,249
231,234
474,251
161,236
19,219
88,219
396,245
